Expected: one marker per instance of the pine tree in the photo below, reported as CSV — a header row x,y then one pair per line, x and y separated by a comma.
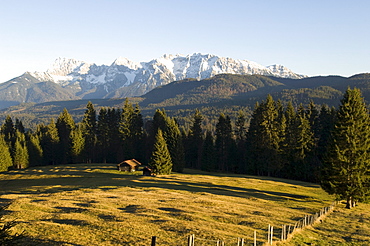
x,y
78,145
19,126
347,164
174,141
65,125
137,134
49,139
194,141
125,129
20,156
208,154
240,135
160,160
5,157
103,136
224,143
240,128
264,139
35,151
89,128
9,131
324,128
172,136
113,121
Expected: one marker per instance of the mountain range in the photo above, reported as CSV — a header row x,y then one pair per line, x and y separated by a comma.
x,y
70,79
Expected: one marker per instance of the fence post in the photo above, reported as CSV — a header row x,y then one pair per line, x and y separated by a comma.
x,y
154,239
240,241
191,240
255,238
272,234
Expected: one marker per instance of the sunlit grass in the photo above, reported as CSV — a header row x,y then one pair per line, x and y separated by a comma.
x,y
98,205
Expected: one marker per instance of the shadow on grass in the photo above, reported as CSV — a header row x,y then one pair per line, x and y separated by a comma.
x,y
74,177
29,241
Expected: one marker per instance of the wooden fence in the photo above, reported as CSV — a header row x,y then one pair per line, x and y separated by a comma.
x,y
282,234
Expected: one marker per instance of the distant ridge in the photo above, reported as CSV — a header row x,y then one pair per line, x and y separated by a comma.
x,y
227,93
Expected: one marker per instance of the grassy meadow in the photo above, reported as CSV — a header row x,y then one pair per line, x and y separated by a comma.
x,y
97,205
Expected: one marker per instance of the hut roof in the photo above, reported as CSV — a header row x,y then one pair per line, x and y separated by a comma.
x,y
132,163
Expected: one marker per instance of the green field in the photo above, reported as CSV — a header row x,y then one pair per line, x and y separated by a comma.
x,y
98,205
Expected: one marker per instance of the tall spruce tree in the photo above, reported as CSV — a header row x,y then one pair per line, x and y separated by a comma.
x,y
9,131
89,128
78,145
347,164
173,138
263,139
194,141
174,141
103,136
240,137
35,150
208,153
224,144
65,125
5,157
160,160
125,129
49,139
20,152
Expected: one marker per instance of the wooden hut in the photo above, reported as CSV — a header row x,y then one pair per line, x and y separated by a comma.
x,y
129,165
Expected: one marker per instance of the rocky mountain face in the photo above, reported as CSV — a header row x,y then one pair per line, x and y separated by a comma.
x,y
125,78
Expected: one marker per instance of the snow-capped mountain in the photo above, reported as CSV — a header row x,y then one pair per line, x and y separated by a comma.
x,y
127,78
69,79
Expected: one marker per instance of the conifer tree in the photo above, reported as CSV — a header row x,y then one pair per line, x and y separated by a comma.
x,y
172,136
78,145
5,157
114,137
264,140
174,141
9,131
137,134
125,130
224,143
49,139
160,160
19,126
103,136
240,135
347,164
65,125
240,127
194,141
89,126
35,150
208,154
324,128
20,156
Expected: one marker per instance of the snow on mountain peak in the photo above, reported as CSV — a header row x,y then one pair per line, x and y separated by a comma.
x,y
64,66
123,61
138,78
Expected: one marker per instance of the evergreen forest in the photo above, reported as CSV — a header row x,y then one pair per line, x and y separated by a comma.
x,y
278,140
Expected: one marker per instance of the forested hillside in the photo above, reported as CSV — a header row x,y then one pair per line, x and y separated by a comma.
x,y
223,93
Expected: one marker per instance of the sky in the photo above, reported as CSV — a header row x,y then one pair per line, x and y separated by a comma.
x,y
316,37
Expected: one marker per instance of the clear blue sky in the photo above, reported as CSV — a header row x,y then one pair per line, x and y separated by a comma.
x,y
316,37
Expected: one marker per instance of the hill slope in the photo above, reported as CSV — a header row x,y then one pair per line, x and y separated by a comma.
x,y
224,92
98,205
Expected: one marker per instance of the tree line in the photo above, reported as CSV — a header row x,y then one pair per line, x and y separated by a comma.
x,y
303,143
